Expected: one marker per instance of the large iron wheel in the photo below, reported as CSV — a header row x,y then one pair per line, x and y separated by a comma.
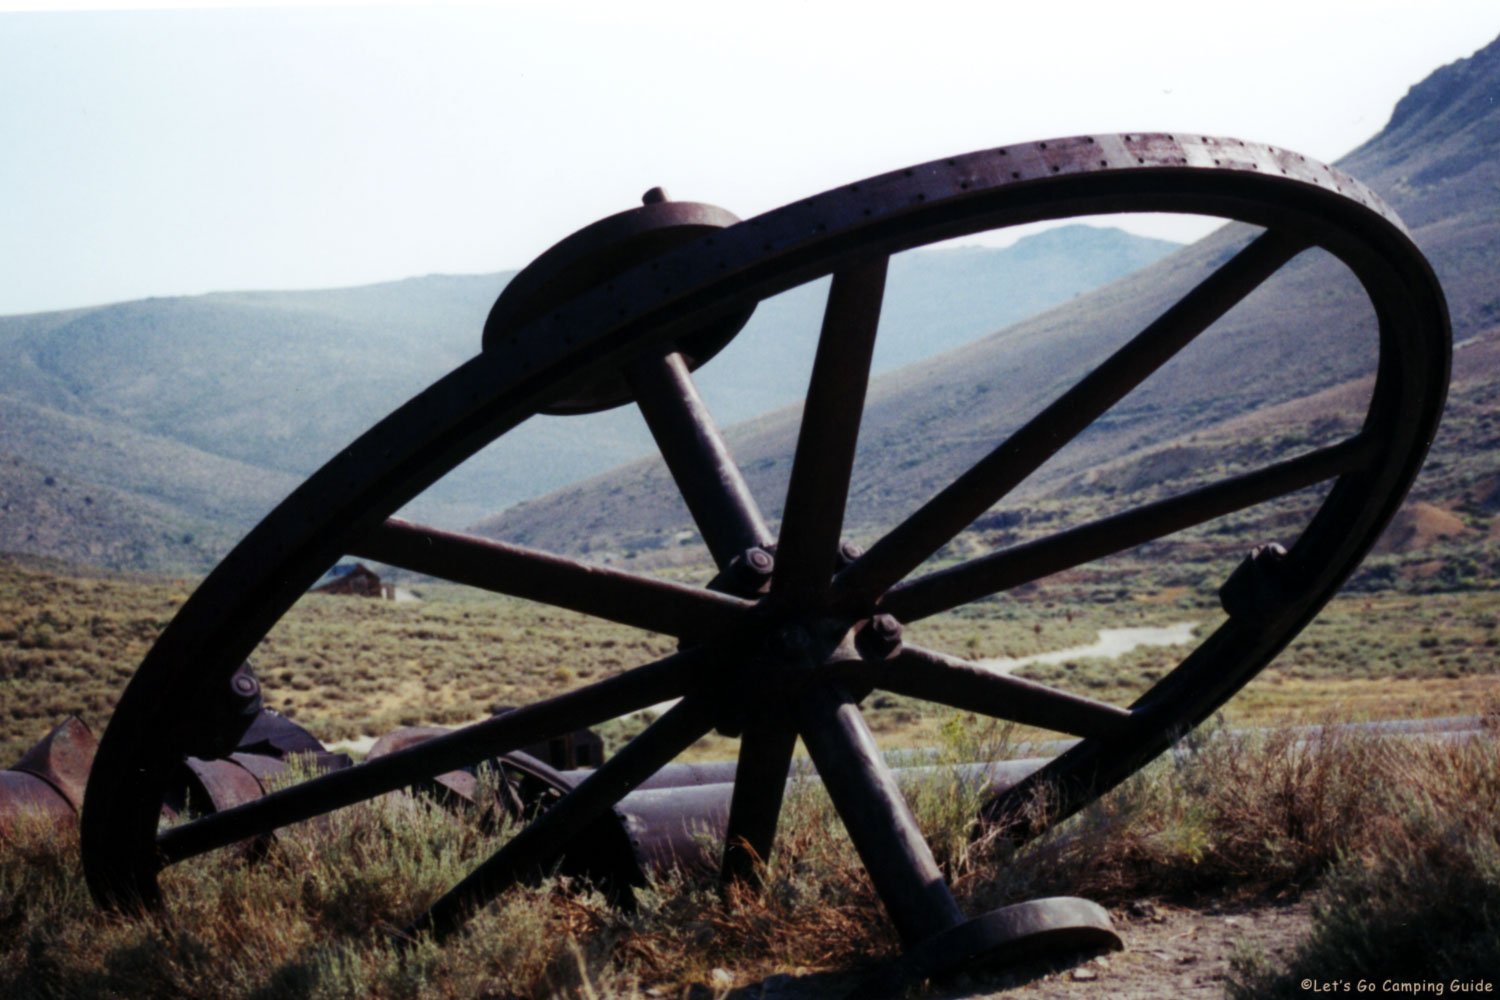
x,y
783,646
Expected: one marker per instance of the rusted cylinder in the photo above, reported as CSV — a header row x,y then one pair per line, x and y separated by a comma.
x,y
681,775
461,783
23,794
266,747
49,778
679,817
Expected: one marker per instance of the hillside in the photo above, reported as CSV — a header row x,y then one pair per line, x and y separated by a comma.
x,y
936,300
193,416
95,493
269,383
1305,336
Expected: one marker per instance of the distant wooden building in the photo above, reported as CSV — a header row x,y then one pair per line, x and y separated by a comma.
x,y
355,579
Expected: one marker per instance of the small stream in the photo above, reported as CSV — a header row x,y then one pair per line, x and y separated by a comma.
x,y
356,747
1111,644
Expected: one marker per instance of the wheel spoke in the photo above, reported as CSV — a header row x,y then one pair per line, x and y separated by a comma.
x,y
1029,561
876,815
628,598
947,680
913,541
667,678
814,513
544,839
711,484
755,805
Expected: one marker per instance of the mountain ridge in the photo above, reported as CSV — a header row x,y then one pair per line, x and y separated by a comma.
x,y
274,383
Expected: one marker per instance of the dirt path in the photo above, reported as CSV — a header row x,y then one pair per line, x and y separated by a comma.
x,y
1169,952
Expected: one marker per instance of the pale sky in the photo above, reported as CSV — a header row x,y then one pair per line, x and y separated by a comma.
x,y
182,151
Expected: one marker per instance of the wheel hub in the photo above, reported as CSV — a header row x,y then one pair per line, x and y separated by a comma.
x,y
788,653
795,643
593,256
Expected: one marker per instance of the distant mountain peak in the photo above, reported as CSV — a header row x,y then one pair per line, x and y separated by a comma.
x,y
1072,233
1472,83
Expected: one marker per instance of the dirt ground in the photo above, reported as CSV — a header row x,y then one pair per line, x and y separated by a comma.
x,y
1169,952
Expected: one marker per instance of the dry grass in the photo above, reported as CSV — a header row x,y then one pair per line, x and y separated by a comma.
x,y
1369,825
1415,899
1228,815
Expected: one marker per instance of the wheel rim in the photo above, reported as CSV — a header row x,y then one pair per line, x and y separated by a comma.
x,y
820,632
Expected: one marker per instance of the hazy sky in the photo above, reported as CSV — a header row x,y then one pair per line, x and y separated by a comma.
x,y
169,152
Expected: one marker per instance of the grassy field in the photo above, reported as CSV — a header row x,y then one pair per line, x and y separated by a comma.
x,y
347,667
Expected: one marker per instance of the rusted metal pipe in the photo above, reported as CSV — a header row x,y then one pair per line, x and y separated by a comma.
x,y
675,818
49,778
266,749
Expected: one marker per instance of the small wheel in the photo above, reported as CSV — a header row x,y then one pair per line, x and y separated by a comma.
x,y
795,627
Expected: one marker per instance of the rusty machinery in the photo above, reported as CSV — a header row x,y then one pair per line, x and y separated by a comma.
x,y
49,779
797,627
